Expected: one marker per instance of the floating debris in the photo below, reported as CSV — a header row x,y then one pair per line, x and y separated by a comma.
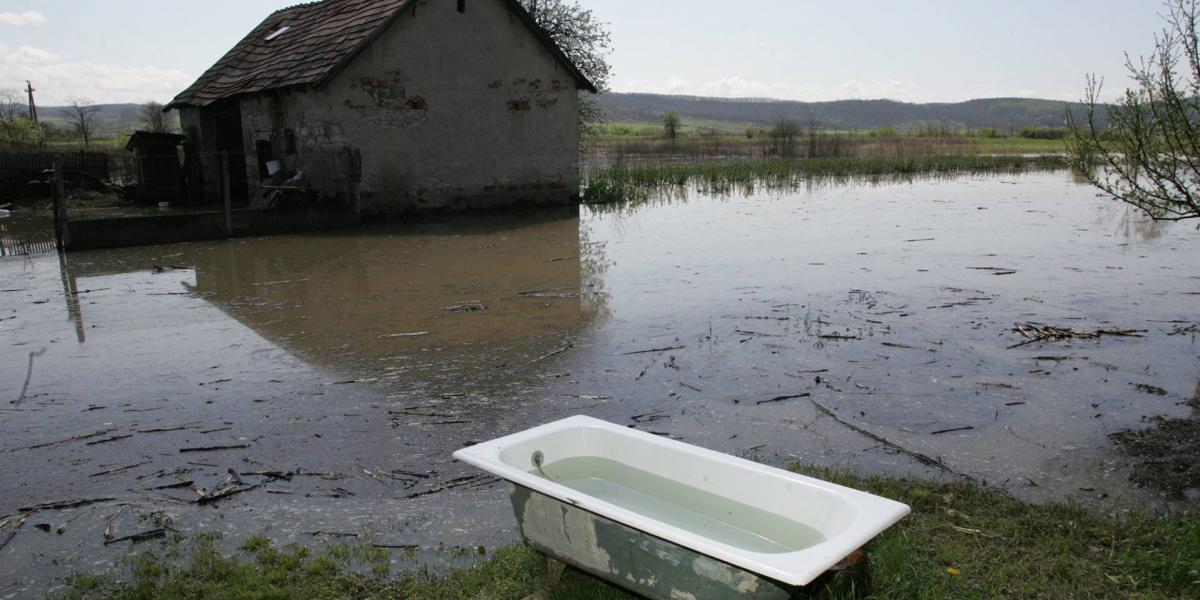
x,y
1037,333
467,307
1150,389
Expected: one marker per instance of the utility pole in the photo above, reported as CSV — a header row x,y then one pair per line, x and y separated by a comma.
x,y
32,106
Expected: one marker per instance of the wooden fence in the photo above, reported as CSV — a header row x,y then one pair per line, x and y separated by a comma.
x,y
19,246
107,166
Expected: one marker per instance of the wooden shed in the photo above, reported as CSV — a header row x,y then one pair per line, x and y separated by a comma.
x,y
156,161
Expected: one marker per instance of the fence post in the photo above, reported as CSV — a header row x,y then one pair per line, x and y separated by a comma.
x,y
60,207
227,191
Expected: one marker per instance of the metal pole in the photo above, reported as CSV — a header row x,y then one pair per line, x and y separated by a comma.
x,y
227,191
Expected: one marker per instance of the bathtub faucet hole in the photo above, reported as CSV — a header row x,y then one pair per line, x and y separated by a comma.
x,y
539,459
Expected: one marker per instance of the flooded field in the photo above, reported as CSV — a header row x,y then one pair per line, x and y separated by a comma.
x,y
312,388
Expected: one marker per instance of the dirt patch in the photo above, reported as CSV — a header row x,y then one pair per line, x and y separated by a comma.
x,y
1167,454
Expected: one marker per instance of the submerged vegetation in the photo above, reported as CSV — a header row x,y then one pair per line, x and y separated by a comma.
x,y
638,182
962,541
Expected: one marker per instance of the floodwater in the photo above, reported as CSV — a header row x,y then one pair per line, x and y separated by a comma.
x,y
329,377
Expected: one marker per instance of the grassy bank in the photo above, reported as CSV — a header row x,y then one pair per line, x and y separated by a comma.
x,y
632,182
961,542
753,139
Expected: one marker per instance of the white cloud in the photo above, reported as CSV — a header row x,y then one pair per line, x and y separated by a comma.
x,y
739,87
26,55
21,19
853,89
57,80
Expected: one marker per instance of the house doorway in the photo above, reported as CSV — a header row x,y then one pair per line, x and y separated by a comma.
x,y
266,154
228,124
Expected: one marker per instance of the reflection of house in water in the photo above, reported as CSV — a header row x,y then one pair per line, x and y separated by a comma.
x,y
489,291
368,302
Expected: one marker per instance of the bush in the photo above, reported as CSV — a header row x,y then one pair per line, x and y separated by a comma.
x,y
1044,133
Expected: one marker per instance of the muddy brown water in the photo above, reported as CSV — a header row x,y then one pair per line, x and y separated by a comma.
x,y
355,362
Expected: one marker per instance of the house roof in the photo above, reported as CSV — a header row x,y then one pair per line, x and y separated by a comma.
x,y
150,136
319,40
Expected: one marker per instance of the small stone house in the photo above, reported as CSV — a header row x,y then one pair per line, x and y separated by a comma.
x,y
391,106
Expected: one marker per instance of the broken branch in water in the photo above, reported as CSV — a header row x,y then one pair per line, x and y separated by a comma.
x,y
213,448
138,538
233,491
782,398
61,504
921,458
653,350
1186,329
656,415
995,270
116,470
553,354
12,534
906,347
1036,333
115,438
472,481
560,294
78,438
645,369
233,485
954,430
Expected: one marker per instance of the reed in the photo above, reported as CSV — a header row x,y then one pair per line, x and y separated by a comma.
x,y
622,182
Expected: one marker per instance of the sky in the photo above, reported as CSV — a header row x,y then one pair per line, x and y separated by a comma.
x,y
811,50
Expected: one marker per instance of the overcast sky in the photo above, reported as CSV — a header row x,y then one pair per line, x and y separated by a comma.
x,y
911,50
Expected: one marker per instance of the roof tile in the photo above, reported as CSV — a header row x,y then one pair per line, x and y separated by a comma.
x,y
320,38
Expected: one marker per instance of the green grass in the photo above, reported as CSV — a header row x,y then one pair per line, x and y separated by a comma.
x,y
637,182
197,570
734,133
633,130
961,541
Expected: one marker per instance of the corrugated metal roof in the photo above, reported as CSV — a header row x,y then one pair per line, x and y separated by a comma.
x,y
320,38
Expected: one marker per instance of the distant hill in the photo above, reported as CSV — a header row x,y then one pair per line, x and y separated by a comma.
x,y
1000,113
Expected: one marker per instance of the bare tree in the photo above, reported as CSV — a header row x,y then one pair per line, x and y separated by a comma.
x,y
154,119
12,107
82,114
1149,153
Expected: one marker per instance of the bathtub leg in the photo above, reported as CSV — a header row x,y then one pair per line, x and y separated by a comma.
x,y
554,574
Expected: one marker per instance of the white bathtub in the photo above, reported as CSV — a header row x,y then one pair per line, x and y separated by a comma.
x,y
573,478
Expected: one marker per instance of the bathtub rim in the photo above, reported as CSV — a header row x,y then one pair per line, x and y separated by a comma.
x,y
799,568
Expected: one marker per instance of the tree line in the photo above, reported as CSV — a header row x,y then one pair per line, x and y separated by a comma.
x,y
80,123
